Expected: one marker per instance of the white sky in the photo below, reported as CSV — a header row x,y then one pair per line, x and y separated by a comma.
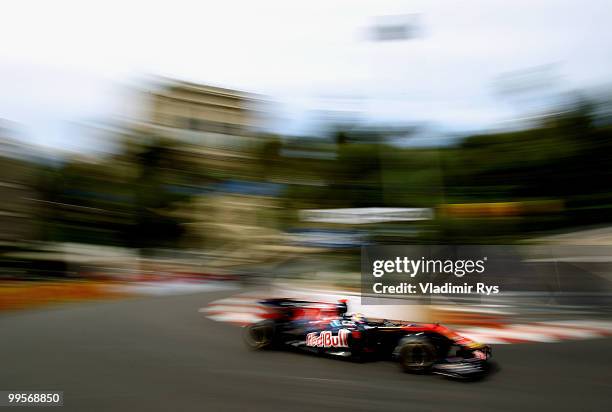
x,y
60,60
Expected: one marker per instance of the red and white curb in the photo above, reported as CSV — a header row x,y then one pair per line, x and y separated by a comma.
x,y
244,309
555,331
240,309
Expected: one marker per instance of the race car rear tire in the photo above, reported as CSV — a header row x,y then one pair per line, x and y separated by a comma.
x,y
416,354
259,335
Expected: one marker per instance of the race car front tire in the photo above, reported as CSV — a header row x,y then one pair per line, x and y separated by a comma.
x,y
416,354
259,335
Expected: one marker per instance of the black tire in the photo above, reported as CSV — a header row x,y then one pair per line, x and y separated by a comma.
x,y
259,335
416,354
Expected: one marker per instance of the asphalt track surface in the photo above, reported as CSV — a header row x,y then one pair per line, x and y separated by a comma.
x,y
160,354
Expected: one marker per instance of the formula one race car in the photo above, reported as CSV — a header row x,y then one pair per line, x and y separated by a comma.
x,y
326,329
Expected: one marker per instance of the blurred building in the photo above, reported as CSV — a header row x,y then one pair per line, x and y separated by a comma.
x,y
17,182
217,125
216,130
187,106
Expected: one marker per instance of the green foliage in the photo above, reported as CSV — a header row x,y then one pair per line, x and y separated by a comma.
x,y
566,157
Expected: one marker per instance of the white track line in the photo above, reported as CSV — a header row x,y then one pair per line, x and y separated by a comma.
x,y
508,334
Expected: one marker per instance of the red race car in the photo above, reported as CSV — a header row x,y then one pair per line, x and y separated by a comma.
x,y
326,329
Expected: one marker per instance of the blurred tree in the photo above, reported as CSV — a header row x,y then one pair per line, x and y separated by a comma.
x,y
267,157
161,169
354,178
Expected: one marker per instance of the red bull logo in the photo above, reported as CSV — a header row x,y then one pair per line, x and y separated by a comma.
x,y
326,339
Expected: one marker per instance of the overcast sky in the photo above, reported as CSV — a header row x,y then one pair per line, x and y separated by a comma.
x,y
61,61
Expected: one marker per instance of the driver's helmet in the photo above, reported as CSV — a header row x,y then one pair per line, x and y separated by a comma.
x,y
358,318
341,308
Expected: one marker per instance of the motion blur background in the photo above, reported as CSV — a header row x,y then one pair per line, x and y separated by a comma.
x,y
259,142
211,140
